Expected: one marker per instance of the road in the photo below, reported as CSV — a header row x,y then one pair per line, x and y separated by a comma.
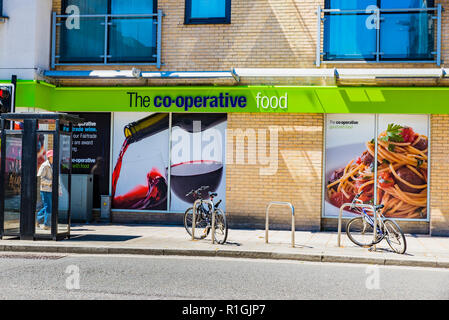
x,y
44,276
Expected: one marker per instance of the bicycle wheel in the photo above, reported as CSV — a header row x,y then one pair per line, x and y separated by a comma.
x,y
221,226
395,237
360,232
201,225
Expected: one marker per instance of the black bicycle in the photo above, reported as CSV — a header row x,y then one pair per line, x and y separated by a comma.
x,y
203,219
360,230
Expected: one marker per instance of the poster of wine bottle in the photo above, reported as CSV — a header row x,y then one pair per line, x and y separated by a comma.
x,y
141,159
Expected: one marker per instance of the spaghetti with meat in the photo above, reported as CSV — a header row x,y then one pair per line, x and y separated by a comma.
x,y
402,174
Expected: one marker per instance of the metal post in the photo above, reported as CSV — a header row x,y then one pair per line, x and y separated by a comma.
x,y
377,35
194,218
105,60
2,172
376,128
293,227
69,186
267,219
213,225
318,38
55,180
340,217
28,181
53,40
159,39
439,35
170,123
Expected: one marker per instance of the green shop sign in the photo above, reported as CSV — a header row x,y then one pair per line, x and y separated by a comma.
x,y
277,99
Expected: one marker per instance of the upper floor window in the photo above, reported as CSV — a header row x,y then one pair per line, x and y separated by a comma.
x,y
207,11
108,31
380,30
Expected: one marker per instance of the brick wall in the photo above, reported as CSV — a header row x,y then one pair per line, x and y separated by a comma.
x,y
439,175
294,175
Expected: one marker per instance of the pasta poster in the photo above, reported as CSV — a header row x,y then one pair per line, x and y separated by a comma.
x,y
402,165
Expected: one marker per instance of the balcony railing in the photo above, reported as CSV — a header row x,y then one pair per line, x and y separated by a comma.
x,y
406,35
106,39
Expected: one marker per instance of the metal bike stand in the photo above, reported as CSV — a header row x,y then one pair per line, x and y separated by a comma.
x,y
340,215
211,206
267,219
194,218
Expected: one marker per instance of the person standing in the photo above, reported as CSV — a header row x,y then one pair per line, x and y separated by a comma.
x,y
45,172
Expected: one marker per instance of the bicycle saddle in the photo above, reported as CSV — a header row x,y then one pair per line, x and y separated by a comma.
x,y
378,207
213,194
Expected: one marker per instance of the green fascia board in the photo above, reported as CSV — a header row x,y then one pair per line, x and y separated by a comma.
x,y
32,94
407,100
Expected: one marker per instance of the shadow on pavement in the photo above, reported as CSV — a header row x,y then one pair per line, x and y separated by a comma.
x,y
101,237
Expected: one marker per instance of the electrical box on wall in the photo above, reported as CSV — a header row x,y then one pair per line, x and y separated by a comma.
x,y
81,197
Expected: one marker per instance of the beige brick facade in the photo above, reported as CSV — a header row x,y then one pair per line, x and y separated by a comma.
x,y
276,34
296,176
439,175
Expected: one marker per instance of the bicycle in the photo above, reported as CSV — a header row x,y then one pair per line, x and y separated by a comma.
x,y
360,230
203,218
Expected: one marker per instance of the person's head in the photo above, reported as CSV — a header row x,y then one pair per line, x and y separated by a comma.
x,y
50,156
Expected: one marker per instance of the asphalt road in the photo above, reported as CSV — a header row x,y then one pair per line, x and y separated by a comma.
x,y
44,276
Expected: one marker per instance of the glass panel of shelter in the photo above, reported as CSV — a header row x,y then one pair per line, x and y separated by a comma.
x,y
64,182
12,183
44,181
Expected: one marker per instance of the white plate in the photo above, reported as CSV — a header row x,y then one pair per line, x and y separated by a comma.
x,y
337,158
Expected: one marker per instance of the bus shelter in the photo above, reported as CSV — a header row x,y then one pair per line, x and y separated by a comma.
x,y
36,167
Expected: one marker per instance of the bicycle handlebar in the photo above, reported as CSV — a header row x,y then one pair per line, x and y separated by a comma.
x,y
197,190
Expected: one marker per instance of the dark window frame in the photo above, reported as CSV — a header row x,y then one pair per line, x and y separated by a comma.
x,y
327,5
211,20
64,4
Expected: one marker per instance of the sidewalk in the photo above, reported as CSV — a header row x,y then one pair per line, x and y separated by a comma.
x,y
422,251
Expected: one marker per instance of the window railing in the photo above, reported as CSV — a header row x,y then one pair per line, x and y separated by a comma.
x,y
376,35
106,39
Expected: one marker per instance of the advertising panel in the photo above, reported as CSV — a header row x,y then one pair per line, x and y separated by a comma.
x,y
140,161
402,163
197,157
91,141
141,146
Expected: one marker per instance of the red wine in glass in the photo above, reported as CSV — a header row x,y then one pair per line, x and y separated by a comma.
x,y
193,174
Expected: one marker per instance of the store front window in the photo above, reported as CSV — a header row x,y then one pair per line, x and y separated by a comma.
x,y
402,163
159,157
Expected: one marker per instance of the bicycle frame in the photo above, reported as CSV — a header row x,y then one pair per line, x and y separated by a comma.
x,y
200,202
379,226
